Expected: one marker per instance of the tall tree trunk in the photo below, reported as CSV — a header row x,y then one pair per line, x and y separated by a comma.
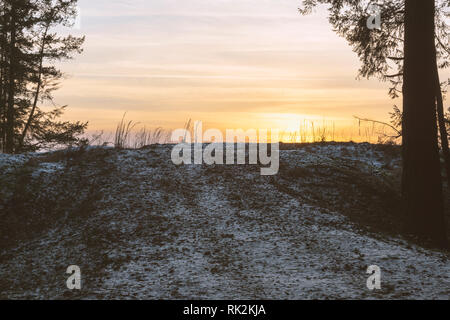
x,y
442,127
2,101
2,80
9,147
37,92
422,182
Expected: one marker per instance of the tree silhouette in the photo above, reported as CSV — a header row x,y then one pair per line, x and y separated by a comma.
x,y
29,49
406,51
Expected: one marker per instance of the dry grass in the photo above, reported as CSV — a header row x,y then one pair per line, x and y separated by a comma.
x,y
145,137
312,131
123,133
126,137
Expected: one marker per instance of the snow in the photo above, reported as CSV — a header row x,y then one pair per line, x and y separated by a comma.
x,y
9,162
162,231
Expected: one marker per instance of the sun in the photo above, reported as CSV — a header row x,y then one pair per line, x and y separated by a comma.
x,y
289,122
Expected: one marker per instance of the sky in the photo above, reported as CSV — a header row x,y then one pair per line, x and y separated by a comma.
x,y
229,63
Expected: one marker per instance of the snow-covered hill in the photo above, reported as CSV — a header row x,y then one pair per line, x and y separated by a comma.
x,y
140,227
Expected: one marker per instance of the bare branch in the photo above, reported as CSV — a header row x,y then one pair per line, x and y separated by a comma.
x,y
399,134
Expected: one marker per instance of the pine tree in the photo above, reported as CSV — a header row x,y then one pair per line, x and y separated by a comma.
x,y
30,47
406,51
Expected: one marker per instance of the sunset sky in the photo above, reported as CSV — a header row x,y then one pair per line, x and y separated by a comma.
x,y
229,63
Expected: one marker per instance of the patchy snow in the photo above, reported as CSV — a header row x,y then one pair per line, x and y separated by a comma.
x,y
160,231
9,162
48,168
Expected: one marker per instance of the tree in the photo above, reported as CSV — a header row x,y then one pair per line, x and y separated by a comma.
x,y
447,120
407,51
422,184
29,49
16,20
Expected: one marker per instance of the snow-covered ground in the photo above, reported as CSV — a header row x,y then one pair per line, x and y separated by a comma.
x,y
140,227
